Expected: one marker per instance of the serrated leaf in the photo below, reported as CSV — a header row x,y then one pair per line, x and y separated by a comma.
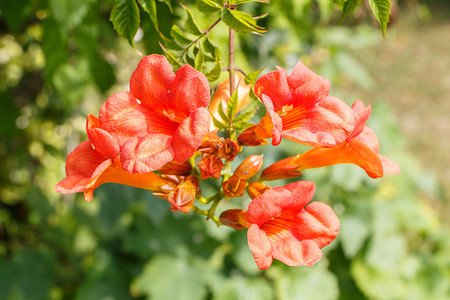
x,y
244,117
347,7
199,58
241,126
179,36
232,104
381,9
191,25
214,73
125,18
150,7
169,4
211,49
208,6
222,114
217,123
241,21
253,76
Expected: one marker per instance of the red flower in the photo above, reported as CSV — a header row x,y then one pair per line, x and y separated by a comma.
x,y
299,109
284,228
163,118
96,161
361,148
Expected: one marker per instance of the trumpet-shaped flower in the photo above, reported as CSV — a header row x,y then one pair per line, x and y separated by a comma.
x,y
283,226
162,118
96,161
299,109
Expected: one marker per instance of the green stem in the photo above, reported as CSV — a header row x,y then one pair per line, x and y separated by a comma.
x,y
202,35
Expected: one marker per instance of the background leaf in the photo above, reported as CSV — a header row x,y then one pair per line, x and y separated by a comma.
x,y
125,18
381,9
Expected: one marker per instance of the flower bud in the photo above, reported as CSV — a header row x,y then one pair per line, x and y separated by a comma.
x,y
249,138
230,148
235,218
180,191
249,167
176,168
285,168
256,189
234,187
210,166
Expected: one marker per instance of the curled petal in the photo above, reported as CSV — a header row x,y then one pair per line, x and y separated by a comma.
x,y
361,115
147,153
103,141
277,123
274,84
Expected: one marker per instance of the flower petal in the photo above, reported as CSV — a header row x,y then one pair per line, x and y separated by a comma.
x,y
307,87
125,118
328,124
277,124
317,222
261,247
302,192
152,81
190,90
361,115
274,84
80,165
294,252
269,205
389,167
103,142
147,153
190,134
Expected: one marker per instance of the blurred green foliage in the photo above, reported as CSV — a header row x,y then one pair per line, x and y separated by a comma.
x,y
59,60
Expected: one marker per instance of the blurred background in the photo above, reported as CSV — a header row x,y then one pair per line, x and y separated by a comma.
x,y
60,60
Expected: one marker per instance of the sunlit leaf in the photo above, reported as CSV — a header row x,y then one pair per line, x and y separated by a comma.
x,y
232,105
381,9
179,36
214,73
199,58
244,117
125,18
173,60
150,7
347,7
241,21
169,4
191,25
253,76
208,6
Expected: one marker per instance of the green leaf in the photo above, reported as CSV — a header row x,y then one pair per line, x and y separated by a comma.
x,y
232,105
217,123
214,73
340,3
237,2
179,36
245,116
125,18
102,72
150,7
167,277
169,4
191,25
222,114
241,21
253,76
347,7
199,58
70,13
15,13
381,9
208,6
241,126
211,49
244,288
173,60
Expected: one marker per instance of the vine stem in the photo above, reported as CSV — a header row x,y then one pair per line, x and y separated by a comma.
x,y
231,60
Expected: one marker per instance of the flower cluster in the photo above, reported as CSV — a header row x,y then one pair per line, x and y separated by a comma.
x,y
166,135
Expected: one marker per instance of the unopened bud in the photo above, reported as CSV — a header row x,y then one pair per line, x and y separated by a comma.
x,y
210,166
234,187
176,168
256,189
230,148
181,195
235,218
249,167
285,168
249,137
